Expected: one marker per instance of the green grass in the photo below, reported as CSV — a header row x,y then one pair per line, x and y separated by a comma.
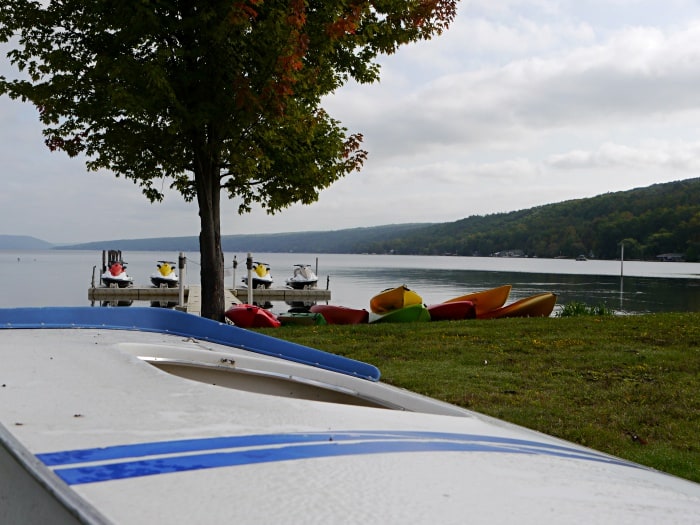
x,y
626,385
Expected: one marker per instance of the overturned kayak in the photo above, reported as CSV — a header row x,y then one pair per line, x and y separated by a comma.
x,y
538,305
486,300
341,314
415,313
394,299
301,318
251,316
452,311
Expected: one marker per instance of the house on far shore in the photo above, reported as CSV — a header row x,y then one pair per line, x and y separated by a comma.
x,y
670,257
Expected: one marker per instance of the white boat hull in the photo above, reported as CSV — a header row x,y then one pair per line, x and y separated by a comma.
x,y
124,426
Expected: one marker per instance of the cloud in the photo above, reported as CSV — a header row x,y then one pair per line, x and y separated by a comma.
x,y
683,158
638,75
520,103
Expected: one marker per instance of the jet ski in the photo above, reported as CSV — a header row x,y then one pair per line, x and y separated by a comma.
x,y
303,278
116,276
165,277
262,278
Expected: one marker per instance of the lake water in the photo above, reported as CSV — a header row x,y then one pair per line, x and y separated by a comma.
x,y
62,278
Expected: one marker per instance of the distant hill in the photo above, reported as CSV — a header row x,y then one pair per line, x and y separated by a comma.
x,y
656,220
23,242
659,220
336,241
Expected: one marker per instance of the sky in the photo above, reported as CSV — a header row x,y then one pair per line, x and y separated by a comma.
x,y
520,103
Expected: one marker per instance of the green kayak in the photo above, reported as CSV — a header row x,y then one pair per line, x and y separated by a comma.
x,y
409,314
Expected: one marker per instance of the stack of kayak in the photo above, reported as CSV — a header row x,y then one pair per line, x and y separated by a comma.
x,y
254,316
402,305
398,305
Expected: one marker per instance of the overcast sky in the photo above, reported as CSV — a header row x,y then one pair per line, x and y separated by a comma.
x,y
521,103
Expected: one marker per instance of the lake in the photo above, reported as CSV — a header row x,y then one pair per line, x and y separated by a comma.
x,y
62,278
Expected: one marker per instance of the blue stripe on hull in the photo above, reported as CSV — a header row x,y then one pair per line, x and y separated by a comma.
x,y
119,462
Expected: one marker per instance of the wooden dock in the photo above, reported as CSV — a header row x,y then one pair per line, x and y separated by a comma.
x,y
193,295
283,294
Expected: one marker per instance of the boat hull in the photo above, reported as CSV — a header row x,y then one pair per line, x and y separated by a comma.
x,y
144,416
538,305
341,314
394,299
159,281
486,300
301,285
111,282
452,311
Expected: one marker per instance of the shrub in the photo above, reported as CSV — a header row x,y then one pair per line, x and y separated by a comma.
x,y
575,309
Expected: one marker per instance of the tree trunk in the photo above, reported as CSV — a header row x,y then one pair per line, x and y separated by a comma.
x,y
211,254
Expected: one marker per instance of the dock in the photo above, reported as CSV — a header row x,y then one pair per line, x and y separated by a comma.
x,y
193,295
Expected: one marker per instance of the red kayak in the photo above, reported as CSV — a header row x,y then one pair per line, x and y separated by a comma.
x,y
453,311
340,314
251,316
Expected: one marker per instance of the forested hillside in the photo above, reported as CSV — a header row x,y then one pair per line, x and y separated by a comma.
x,y
663,218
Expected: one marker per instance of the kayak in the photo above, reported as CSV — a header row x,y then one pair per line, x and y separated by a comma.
x,y
486,300
341,314
453,311
301,318
251,316
394,299
409,314
538,305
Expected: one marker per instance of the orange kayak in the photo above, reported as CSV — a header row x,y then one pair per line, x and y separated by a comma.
x,y
538,305
486,300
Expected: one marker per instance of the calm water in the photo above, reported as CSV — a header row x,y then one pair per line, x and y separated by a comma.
x,y
62,278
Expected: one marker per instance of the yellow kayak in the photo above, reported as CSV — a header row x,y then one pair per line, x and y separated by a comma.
x,y
486,300
538,305
394,299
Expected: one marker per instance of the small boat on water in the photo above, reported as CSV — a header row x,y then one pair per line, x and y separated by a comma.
x,y
394,299
341,314
116,276
261,275
486,300
303,278
538,305
414,313
251,316
146,415
165,277
452,311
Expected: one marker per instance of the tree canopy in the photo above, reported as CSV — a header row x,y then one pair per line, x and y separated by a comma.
x,y
208,96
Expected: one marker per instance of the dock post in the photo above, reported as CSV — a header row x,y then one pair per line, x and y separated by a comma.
x,y
249,265
181,265
235,265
